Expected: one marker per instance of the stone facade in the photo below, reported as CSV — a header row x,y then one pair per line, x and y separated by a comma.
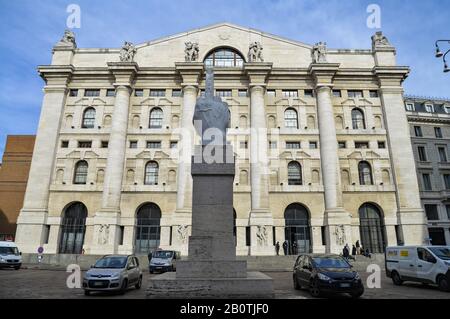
x,y
429,120
14,171
339,125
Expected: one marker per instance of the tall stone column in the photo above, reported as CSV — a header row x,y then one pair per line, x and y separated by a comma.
x,y
410,215
33,216
337,220
106,222
191,73
261,220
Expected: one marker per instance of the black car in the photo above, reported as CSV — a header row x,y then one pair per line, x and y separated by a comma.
x,y
326,273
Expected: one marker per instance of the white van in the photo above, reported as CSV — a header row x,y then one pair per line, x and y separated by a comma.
x,y
425,264
10,255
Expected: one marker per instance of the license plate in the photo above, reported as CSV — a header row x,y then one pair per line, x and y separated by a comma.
x,y
344,285
98,284
158,267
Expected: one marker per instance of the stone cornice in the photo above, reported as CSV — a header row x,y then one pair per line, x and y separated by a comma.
x,y
190,72
418,119
124,72
56,76
391,76
323,73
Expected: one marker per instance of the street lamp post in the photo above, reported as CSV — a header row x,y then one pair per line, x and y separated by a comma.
x,y
443,55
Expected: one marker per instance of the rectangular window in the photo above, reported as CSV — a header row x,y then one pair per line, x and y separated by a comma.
x,y
224,93
104,144
64,144
355,94
273,144
292,145
92,92
418,131
243,145
426,182
422,153
447,181
248,236
133,144
312,145
438,132
290,93
46,233
410,107
324,236
447,109
361,144
110,92
84,144
381,144
431,211
153,144
447,208
271,93
173,144
242,93
442,154
73,92
309,93
157,92
342,145
121,231
176,93
373,93
429,108
139,92
337,93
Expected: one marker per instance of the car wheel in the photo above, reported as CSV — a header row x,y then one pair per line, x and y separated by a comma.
x,y
357,294
124,287
443,283
139,283
17,267
87,293
151,271
314,290
296,285
396,279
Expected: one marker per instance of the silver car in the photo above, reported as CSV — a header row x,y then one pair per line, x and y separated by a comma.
x,y
113,273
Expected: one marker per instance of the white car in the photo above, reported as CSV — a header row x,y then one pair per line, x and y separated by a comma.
x,y
10,257
425,264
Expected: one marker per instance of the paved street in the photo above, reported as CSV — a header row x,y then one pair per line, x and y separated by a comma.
x,y
29,283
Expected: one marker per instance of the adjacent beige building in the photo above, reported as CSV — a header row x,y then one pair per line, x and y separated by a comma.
x,y
321,138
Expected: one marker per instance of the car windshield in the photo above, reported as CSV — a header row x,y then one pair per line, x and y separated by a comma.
x,y
441,252
163,254
330,262
9,251
111,262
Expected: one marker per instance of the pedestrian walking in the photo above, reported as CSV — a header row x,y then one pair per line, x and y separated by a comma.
x,y
358,247
345,252
285,247
354,252
277,248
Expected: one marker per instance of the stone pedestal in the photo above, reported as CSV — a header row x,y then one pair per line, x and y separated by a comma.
x,y
211,270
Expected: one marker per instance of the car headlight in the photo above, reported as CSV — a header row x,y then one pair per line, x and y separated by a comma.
x,y
115,276
2,259
357,277
447,263
323,277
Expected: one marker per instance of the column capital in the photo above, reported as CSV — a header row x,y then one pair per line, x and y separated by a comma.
x,y
124,72
190,72
56,76
391,77
323,73
257,73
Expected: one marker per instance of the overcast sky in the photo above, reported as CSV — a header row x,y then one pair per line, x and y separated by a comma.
x,y
29,29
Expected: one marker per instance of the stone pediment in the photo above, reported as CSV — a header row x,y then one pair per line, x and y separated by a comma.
x,y
82,154
232,101
85,101
351,102
97,101
294,155
157,101
291,102
363,155
152,154
365,101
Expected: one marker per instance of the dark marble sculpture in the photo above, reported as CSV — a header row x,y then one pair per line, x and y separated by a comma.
x,y
211,113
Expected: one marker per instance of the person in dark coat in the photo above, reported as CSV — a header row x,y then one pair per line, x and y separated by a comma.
x,y
345,252
354,252
277,248
358,247
285,247
294,248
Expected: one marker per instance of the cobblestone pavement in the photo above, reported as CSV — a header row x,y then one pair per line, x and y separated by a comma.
x,y
33,283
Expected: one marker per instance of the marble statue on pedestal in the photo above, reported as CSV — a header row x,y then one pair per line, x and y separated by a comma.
x,y
127,52
255,52
379,40
319,52
191,51
68,40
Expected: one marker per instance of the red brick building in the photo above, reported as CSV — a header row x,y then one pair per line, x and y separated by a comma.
x,y
13,181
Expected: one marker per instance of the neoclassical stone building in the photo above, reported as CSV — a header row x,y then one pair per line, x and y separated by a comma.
x,y
320,136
